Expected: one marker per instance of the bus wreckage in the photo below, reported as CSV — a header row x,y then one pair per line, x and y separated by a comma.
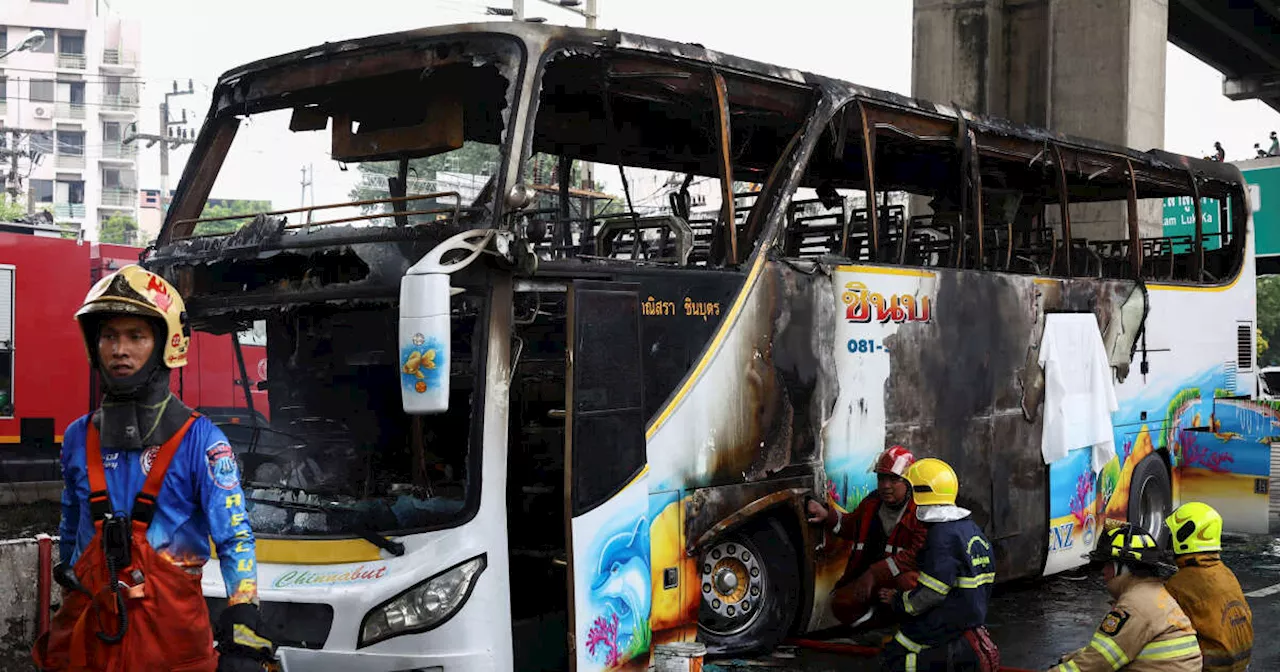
x,y
560,413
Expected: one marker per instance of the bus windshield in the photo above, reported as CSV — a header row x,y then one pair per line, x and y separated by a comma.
x,y
324,455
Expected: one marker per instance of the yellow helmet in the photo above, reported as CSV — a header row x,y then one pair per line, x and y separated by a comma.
x,y
1195,528
134,290
933,482
1131,545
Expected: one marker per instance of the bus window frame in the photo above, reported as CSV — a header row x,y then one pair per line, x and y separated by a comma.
x,y
756,232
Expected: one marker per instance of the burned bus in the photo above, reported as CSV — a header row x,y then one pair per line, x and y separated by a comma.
x,y
593,315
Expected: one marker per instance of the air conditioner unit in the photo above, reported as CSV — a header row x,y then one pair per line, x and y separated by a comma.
x,y
43,112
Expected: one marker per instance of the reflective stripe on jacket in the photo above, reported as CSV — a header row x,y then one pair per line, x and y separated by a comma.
x,y
957,572
1209,593
1145,631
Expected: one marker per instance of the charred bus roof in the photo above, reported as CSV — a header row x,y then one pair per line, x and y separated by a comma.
x,y
300,78
544,37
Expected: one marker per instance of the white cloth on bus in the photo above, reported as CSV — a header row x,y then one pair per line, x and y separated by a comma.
x,y
1079,395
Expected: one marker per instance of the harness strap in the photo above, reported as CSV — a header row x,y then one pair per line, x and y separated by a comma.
x,y
144,504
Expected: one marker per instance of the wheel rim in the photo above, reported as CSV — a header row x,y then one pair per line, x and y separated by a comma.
x,y
733,587
1151,513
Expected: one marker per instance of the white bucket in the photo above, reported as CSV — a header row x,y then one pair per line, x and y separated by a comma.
x,y
679,657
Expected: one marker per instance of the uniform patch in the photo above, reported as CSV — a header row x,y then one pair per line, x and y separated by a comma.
x,y
1113,621
149,458
222,466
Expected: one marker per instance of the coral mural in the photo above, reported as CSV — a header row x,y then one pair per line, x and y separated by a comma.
x,y
602,640
1082,501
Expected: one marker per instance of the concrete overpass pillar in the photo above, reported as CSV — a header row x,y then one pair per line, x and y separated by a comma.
x,y
1090,68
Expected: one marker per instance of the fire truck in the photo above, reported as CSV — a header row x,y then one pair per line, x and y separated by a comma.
x,y
45,379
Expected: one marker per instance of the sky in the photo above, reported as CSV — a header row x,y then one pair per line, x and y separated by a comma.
x,y
863,41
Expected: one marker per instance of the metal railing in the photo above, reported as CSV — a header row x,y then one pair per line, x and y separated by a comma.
x,y
119,197
64,160
119,102
71,61
119,58
66,210
71,110
118,150
403,201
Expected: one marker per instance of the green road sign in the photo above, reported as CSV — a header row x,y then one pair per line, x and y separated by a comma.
x,y
1264,199
1180,218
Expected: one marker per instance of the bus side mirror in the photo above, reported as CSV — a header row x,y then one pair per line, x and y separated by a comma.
x,y
425,321
424,343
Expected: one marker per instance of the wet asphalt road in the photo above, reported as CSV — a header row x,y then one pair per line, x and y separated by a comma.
x,y
1035,622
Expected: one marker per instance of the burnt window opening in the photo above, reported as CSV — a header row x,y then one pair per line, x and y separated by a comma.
x,y
406,148
627,161
978,199
336,453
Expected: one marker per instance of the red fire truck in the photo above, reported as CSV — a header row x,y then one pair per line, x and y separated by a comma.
x,y
45,380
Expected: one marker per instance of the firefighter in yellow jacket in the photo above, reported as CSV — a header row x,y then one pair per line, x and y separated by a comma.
x,y
1146,630
1207,590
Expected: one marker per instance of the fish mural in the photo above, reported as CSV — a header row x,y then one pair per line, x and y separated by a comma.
x,y
418,369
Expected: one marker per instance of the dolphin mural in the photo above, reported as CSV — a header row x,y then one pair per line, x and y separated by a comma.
x,y
621,583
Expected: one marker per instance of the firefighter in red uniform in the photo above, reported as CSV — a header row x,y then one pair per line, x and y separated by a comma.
x,y
148,483
886,536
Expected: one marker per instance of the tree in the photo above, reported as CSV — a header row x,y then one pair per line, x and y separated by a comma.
x,y
120,230
1269,317
473,158
1262,344
228,209
10,211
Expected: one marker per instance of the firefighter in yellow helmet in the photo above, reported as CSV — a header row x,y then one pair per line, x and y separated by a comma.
x,y
1146,630
147,484
1208,591
943,618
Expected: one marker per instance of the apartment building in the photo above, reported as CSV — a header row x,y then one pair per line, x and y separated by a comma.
x,y
77,94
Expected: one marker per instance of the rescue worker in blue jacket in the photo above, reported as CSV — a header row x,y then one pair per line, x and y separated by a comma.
x,y
148,483
943,618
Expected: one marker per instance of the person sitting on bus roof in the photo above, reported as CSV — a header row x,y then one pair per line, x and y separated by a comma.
x,y
944,618
1208,591
886,536
1146,630
147,483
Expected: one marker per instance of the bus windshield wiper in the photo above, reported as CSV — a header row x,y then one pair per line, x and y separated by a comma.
x,y
361,529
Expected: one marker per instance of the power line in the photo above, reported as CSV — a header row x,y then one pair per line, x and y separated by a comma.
x,y
64,102
74,77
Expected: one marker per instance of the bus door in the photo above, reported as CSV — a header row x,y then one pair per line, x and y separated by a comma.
x,y
606,494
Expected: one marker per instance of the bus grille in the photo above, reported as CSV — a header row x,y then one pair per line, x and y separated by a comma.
x,y
301,625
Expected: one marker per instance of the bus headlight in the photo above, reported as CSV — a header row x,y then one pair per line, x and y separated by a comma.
x,y
425,606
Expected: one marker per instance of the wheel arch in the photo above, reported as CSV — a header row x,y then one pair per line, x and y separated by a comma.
x,y
787,507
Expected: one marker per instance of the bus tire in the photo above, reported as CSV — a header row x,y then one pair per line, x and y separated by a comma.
x,y
1151,496
750,588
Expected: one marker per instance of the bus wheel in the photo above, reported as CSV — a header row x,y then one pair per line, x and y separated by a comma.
x,y
750,585
1150,496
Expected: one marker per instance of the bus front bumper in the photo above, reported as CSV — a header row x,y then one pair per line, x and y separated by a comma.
x,y
306,660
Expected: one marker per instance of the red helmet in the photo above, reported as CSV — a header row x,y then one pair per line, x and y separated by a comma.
x,y
894,460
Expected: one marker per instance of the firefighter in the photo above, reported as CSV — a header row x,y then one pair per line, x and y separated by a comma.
x,y
1208,591
886,536
147,483
943,619
1146,630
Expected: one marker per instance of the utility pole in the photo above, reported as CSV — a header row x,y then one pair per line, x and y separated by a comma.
x,y
167,140
164,146
307,183
589,13
13,154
